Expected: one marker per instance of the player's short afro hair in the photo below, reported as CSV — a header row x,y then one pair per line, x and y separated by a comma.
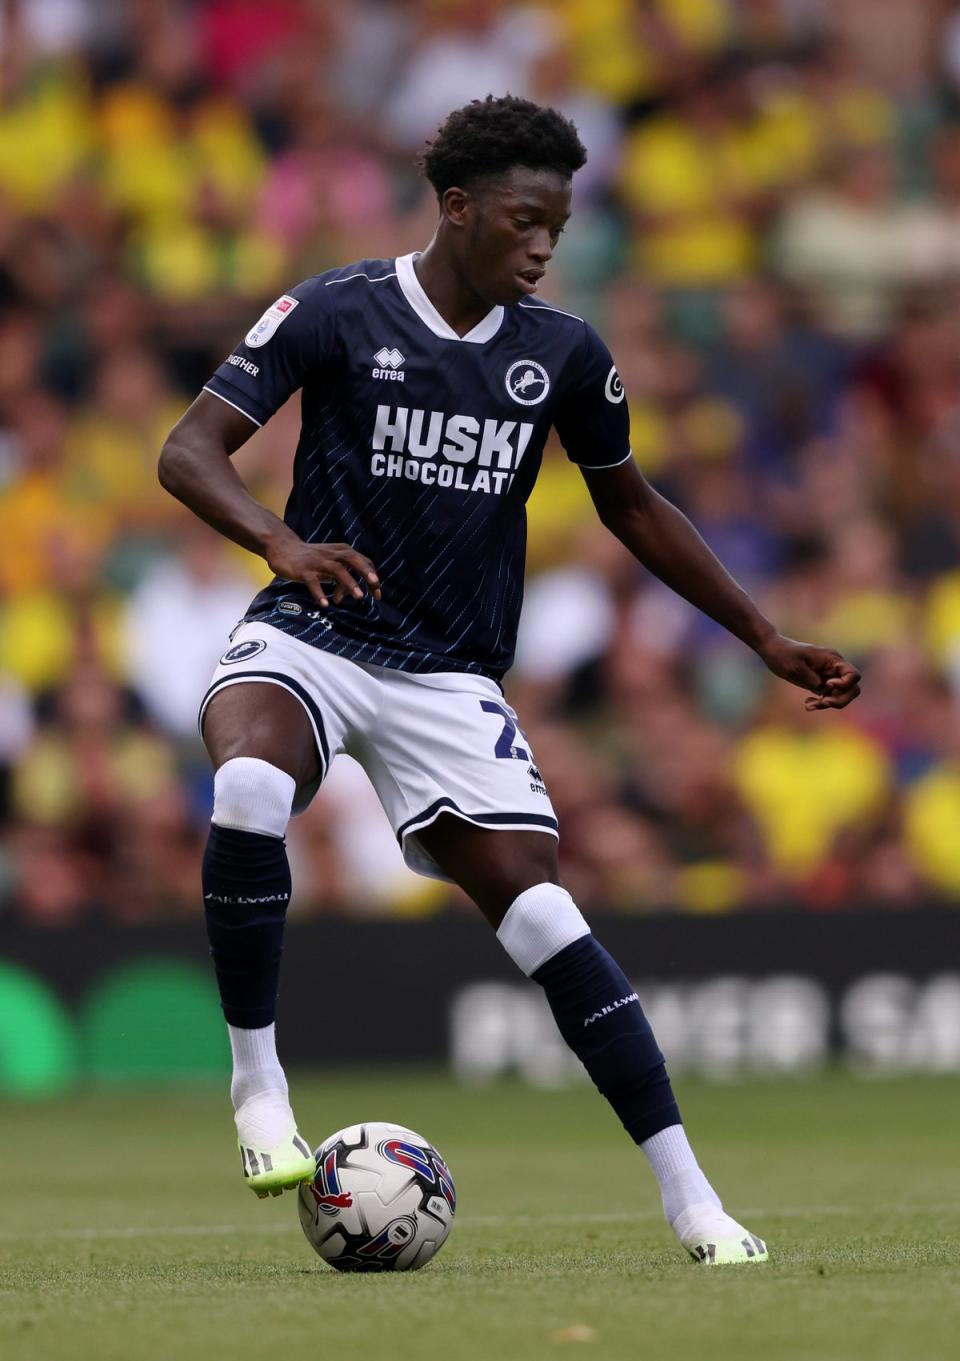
x,y
492,135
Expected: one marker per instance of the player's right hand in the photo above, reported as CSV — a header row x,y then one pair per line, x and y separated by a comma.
x,y
322,565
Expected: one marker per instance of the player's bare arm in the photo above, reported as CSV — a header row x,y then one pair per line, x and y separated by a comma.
x,y
662,538
195,467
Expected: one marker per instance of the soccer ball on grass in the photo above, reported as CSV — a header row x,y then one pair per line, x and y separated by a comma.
x,y
382,1199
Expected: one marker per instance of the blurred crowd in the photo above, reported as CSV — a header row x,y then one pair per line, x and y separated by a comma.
x,y
768,236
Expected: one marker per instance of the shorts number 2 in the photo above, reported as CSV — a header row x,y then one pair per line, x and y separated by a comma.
x,y
507,747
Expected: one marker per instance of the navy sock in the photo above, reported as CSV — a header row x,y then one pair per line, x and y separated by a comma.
x,y
601,1020
246,889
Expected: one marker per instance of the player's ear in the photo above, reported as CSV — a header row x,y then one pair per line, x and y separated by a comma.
x,y
455,206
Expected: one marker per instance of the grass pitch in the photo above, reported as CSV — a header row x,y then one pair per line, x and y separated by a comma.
x,y
126,1233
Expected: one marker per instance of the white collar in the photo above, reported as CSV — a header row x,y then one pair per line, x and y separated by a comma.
x,y
412,290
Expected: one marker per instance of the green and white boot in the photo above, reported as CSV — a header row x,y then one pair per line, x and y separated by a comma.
x,y
712,1238
275,1157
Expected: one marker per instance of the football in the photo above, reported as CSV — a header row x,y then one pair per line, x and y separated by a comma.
x,y
382,1199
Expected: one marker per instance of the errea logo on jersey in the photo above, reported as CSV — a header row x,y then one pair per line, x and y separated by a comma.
x,y
389,362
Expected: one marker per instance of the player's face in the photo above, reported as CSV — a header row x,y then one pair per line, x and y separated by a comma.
x,y
512,226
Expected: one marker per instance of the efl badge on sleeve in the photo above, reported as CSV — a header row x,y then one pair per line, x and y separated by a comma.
x,y
271,319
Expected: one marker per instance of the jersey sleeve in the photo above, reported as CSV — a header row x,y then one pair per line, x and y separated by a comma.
x,y
591,417
292,339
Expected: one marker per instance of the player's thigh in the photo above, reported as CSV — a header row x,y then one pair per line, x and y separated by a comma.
x,y
264,721
458,779
492,867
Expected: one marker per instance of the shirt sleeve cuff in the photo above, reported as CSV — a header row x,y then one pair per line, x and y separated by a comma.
x,y
598,467
236,404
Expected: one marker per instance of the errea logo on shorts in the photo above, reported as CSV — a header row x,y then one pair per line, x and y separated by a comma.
x,y
389,364
527,382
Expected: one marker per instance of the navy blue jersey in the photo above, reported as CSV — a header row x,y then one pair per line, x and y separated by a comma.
x,y
419,448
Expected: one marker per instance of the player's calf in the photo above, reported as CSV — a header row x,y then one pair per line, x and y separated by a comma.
x,y
600,1017
246,889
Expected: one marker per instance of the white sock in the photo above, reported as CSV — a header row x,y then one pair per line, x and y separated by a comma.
x,y
251,795
683,1185
256,1067
259,1088
539,924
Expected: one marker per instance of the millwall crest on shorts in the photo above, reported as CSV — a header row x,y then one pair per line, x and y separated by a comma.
x,y
271,319
242,652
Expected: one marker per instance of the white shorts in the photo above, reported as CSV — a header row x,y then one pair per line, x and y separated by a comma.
x,y
430,743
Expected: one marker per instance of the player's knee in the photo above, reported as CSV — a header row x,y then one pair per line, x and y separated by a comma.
x,y
540,922
251,795
505,877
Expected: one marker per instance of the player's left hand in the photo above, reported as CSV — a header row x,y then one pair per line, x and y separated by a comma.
x,y
832,679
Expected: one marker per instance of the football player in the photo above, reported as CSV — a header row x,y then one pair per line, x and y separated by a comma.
x,y
430,384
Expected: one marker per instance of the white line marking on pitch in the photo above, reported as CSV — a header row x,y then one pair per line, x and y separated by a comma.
x,y
469,1222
